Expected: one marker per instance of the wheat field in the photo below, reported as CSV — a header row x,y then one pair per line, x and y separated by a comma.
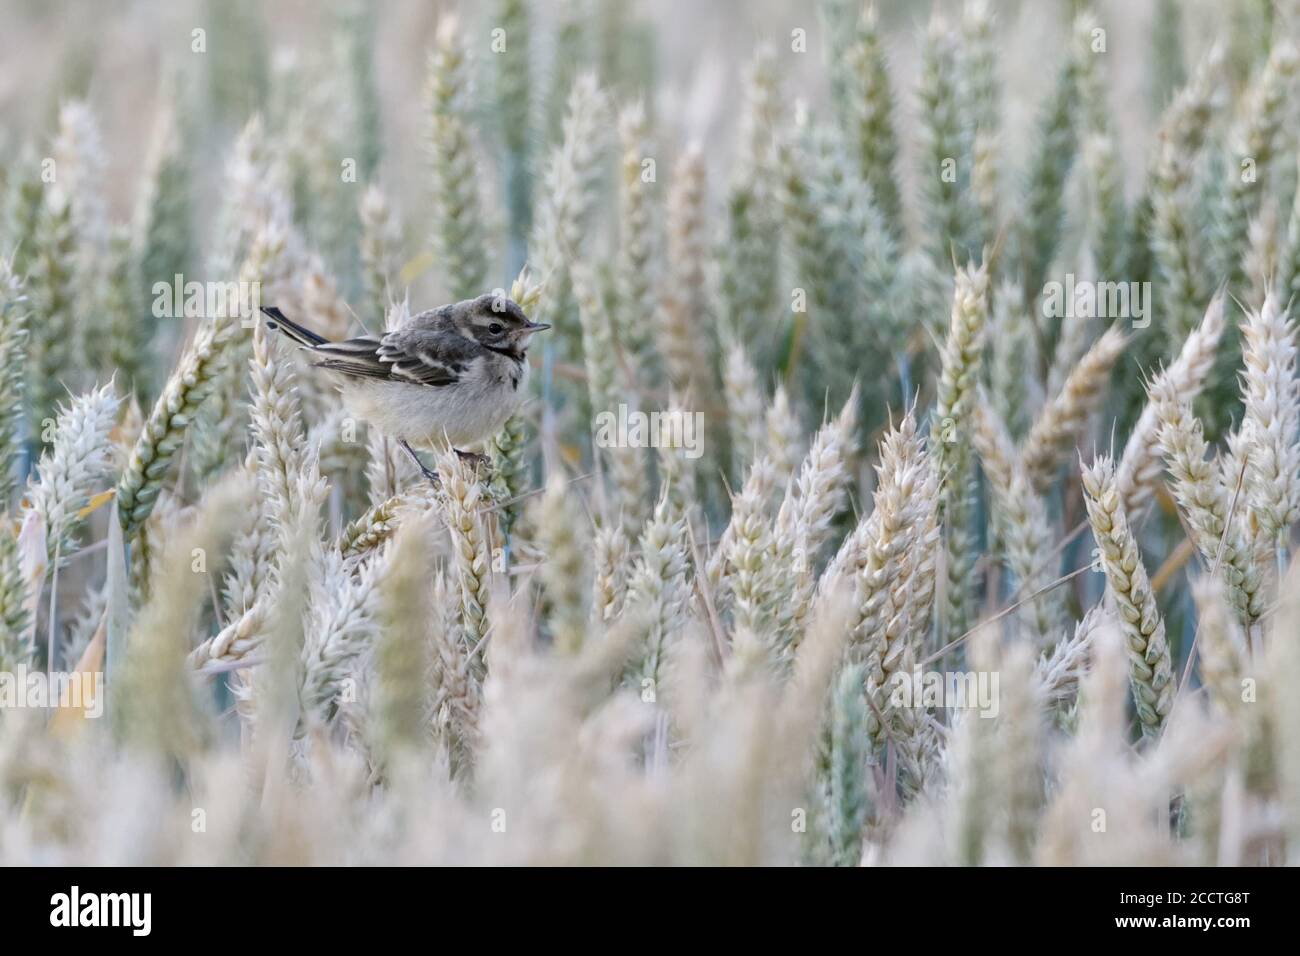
x,y
909,476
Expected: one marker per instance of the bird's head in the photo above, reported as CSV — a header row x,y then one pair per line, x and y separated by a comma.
x,y
495,322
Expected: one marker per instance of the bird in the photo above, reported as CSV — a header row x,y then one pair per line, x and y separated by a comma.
x,y
450,376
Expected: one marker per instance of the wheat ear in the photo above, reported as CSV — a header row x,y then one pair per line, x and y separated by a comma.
x,y
657,587
1060,424
1150,669
1020,517
950,435
611,563
1221,647
458,219
462,502
1139,465
1205,502
638,260
13,338
561,533
75,466
1271,422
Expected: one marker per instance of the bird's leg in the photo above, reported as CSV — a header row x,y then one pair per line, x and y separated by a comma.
x,y
428,473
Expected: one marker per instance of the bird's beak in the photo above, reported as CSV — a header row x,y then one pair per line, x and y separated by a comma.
x,y
536,327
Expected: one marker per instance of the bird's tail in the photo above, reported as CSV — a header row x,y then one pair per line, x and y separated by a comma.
x,y
301,335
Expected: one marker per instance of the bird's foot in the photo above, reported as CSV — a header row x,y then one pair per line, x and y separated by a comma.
x,y
474,460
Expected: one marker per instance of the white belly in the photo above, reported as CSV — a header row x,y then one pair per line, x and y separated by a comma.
x,y
466,412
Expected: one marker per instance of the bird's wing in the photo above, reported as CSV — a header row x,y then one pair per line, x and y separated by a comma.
x,y
414,356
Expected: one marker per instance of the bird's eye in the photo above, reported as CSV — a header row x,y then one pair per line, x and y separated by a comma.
x,y
495,328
